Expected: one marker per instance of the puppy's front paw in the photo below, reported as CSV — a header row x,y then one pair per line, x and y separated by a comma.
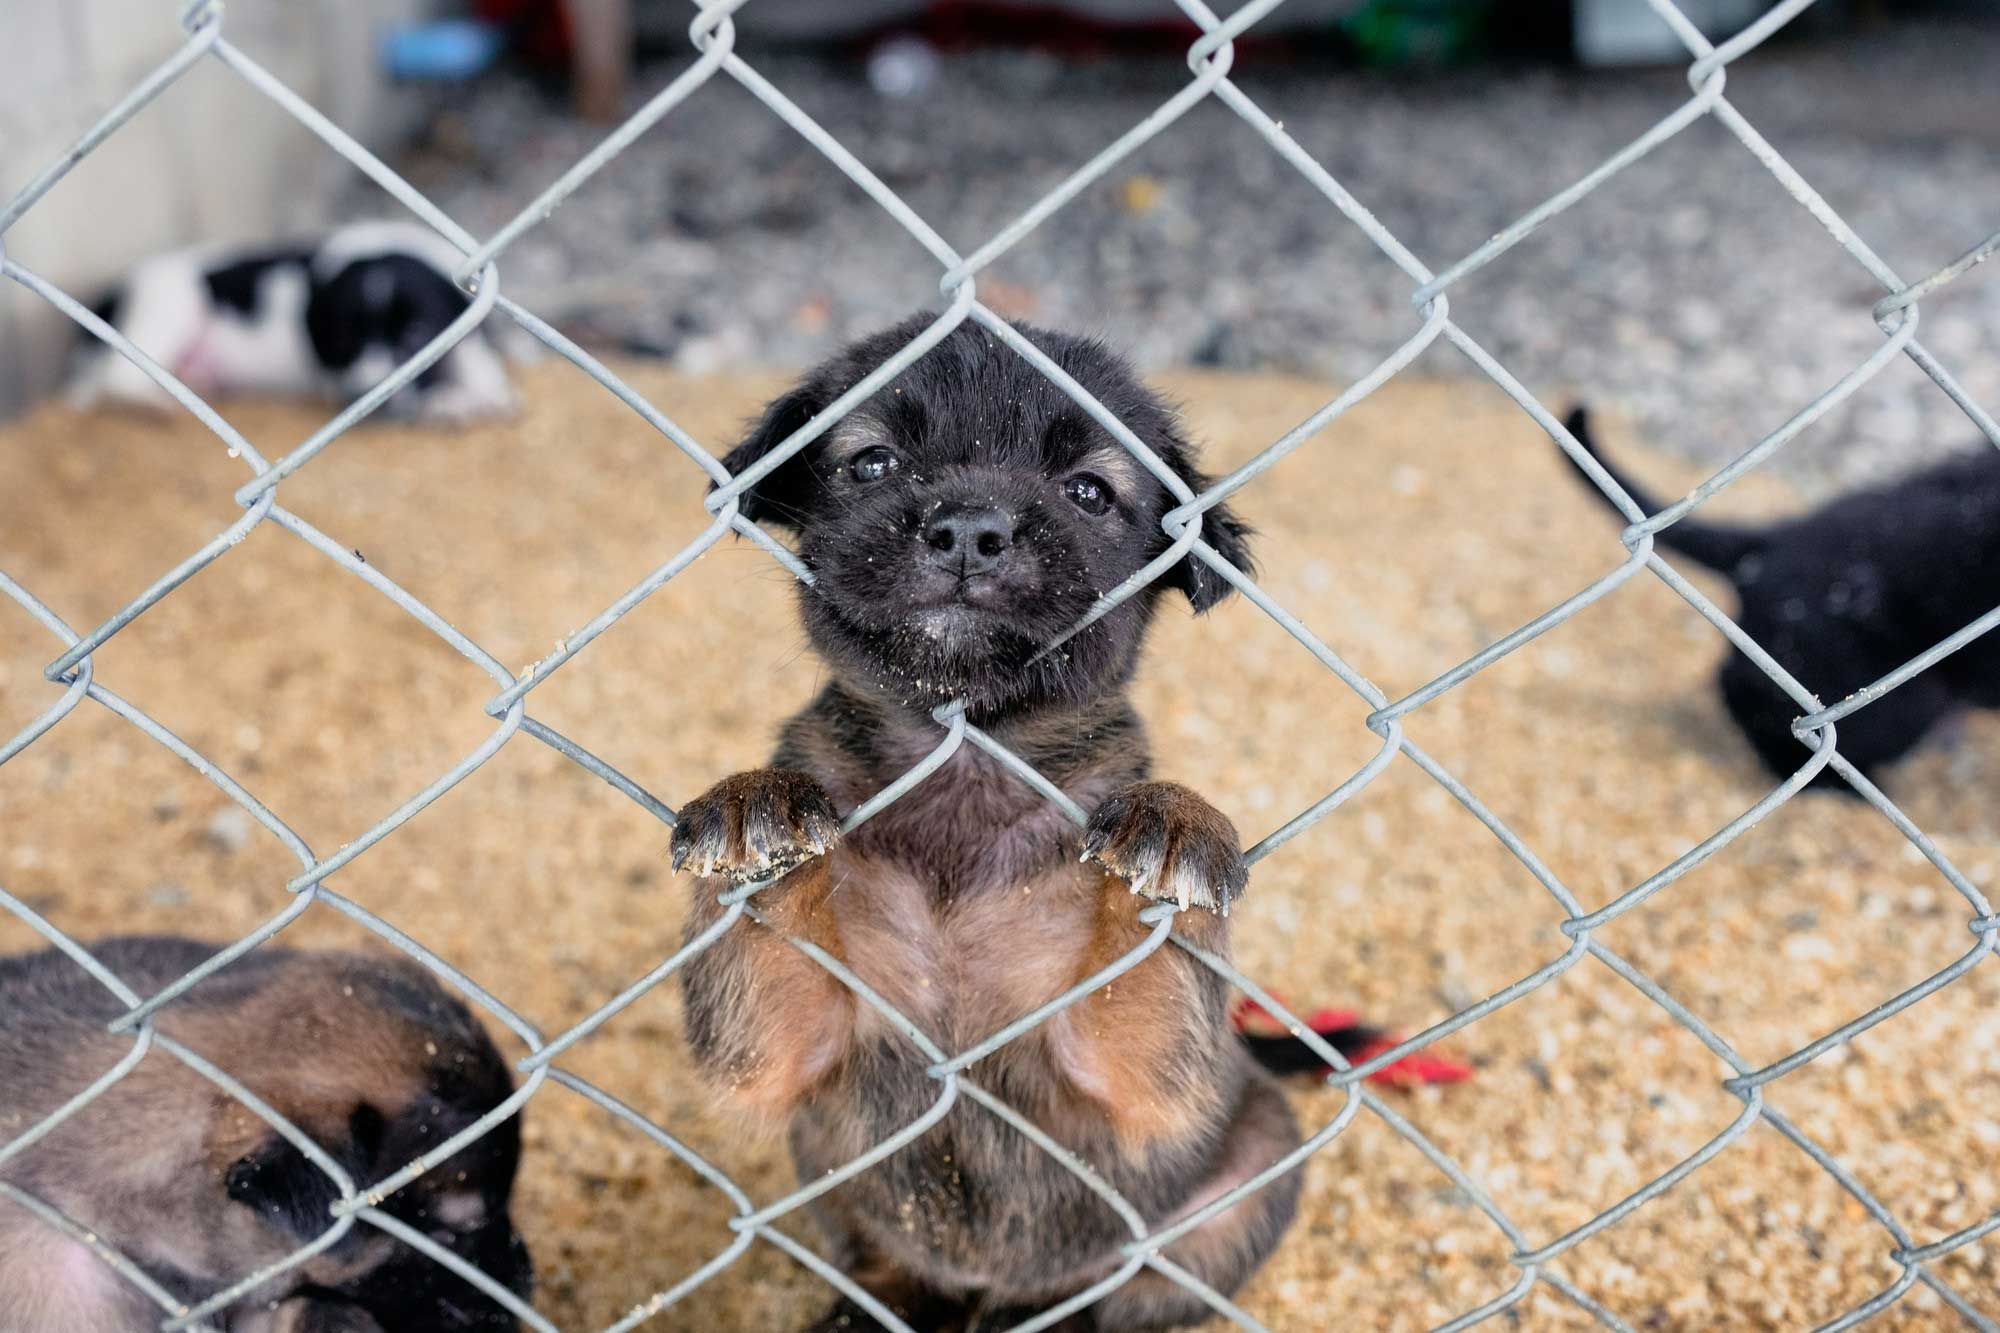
x,y
1170,844
756,825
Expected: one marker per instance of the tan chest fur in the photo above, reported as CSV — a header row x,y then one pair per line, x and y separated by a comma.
x,y
960,969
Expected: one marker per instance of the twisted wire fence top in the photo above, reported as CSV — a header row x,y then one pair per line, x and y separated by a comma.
x,y
72,678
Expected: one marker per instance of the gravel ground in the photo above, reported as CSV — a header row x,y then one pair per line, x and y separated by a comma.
x,y
1690,292
1444,521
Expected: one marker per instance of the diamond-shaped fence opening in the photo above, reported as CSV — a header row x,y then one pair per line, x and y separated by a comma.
x,y
1537,1259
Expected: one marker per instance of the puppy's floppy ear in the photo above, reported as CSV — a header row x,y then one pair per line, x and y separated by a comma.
x,y
781,496
331,323
1229,536
289,1190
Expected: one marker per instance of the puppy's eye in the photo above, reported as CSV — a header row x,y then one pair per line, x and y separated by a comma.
x,y
1088,493
873,465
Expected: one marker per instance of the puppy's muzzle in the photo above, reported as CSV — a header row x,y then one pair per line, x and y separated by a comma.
x,y
968,539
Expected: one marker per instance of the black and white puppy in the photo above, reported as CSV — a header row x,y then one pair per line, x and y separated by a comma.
x,y
332,319
1845,594
368,1056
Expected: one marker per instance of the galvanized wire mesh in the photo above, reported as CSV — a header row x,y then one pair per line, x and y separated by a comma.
x,y
713,36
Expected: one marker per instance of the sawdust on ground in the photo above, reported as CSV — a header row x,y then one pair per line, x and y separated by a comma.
x,y
1423,525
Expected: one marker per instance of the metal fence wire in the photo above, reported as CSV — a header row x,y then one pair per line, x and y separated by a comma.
x,y
1536,1259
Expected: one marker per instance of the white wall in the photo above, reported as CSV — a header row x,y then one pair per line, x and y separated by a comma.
x,y
210,159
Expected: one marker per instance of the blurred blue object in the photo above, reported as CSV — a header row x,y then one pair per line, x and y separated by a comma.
x,y
450,49
1628,32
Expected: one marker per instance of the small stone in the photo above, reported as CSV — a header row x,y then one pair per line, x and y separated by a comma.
x,y
229,829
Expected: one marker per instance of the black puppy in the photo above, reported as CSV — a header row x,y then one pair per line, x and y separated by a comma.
x,y
369,1056
957,522
1847,593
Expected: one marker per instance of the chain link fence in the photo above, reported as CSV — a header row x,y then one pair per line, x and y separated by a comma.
x,y
1536,1259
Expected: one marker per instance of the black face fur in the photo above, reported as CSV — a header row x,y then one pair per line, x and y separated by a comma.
x,y
969,512
461,1204
378,312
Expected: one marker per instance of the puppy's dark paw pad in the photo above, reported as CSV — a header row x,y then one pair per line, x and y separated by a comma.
x,y
1170,844
756,825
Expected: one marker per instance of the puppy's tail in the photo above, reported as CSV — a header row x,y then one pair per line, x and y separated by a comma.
x,y
1720,546
1278,1051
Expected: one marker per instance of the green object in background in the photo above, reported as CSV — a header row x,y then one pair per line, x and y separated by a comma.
x,y
1393,33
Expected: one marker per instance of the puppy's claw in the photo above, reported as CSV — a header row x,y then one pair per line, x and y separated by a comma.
x,y
755,826
1168,844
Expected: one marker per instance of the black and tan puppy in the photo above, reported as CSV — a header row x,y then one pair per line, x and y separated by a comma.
x,y
1845,594
368,1056
956,522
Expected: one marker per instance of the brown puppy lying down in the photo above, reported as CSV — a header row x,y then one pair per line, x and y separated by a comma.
x,y
369,1056
956,523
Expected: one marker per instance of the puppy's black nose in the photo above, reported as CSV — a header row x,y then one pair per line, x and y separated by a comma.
x,y
969,540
